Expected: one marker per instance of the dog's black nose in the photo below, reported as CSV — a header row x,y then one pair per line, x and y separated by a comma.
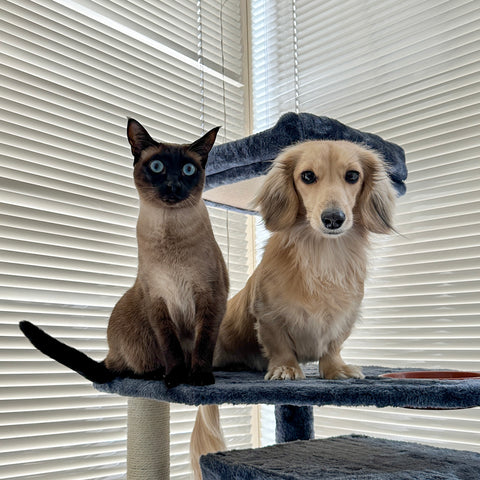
x,y
333,218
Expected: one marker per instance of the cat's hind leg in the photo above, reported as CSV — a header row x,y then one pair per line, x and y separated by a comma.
x,y
133,349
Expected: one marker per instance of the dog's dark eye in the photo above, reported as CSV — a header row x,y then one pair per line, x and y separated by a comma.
x,y
308,177
352,176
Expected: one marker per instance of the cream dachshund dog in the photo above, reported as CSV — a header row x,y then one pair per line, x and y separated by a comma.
x,y
321,199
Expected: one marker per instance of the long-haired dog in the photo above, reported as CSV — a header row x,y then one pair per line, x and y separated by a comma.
x,y
321,199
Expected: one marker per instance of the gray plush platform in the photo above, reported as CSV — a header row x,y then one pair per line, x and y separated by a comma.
x,y
251,388
351,457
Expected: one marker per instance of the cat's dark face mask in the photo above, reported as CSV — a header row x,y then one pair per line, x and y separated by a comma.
x,y
171,173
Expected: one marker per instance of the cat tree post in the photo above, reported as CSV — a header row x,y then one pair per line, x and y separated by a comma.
x,y
229,164
293,423
148,439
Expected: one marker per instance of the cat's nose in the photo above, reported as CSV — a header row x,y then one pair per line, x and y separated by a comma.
x,y
172,187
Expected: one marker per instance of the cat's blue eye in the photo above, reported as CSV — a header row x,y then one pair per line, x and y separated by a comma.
x,y
189,169
157,166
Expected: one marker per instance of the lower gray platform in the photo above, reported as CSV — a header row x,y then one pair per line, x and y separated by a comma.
x,y
350,457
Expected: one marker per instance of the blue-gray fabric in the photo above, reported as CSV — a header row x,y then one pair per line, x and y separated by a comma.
x,y
250,388
349,457
252,156
293,423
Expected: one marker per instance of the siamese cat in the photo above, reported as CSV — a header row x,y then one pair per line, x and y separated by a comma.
x,y
166,325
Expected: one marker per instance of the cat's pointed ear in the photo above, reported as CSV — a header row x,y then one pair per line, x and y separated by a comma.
x,y
203,145
139,139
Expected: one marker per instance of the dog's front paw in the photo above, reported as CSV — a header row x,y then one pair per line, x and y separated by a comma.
x,y
284,373
342,372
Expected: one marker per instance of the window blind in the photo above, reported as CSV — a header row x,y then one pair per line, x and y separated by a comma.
x,y
409,72
273,61
72,71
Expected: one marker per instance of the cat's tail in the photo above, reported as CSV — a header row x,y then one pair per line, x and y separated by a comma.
x,y
70,357
207,436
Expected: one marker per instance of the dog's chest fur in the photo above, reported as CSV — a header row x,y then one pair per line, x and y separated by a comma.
x,y
320,295
313,324
312,328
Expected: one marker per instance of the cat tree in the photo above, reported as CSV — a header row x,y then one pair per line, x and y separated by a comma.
x,y
234,171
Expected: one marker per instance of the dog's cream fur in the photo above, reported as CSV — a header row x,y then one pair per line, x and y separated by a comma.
x,y
303,299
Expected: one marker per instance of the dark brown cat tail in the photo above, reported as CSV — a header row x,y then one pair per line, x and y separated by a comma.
x,y
68,356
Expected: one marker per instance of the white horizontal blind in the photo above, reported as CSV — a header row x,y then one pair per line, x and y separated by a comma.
x,y
410,72
223,93
71,73
273,61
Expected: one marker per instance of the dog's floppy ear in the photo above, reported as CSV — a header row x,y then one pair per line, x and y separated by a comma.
x,y
277,198
377,198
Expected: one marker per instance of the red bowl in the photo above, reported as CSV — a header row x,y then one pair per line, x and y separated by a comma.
x,y
431,375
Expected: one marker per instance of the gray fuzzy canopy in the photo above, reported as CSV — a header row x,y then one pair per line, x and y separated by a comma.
x,y
252,156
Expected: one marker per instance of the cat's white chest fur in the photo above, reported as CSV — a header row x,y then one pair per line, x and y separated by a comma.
x,y
177,291
166,260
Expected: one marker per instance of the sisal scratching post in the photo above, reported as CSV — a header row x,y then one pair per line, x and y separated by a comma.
x,y
148,439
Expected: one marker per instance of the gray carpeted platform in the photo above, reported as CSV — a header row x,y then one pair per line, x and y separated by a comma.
x,y
350,457
251,388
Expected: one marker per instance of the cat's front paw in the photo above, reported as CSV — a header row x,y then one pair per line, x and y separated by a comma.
x,y
284,372
201,377
158,374
177,375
